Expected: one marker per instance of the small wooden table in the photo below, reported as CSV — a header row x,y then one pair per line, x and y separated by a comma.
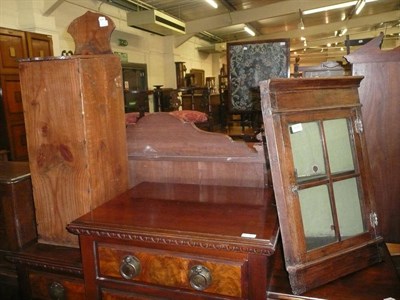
x,y
179,241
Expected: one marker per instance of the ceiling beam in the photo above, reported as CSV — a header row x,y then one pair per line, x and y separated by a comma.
x,y
52,8
309,32
254,14
357,36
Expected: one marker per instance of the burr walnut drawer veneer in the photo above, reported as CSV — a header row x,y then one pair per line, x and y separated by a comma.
x,y
171,269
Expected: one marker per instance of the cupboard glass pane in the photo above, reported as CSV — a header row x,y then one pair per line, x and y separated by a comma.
x,y
317,216
308,155
339,145
348,208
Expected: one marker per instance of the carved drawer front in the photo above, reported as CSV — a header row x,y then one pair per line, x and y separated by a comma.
x,y
53,286
173,269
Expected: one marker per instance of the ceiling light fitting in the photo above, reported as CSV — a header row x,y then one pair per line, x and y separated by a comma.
x,y
336,6
124,4
360,5
249,30
301,24
342,32
212,3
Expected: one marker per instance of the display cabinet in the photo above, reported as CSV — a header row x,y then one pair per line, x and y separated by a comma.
x,y
321,178
134,77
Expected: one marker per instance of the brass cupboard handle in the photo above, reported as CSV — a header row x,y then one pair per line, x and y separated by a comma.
x,y
200,277
130,267
57,291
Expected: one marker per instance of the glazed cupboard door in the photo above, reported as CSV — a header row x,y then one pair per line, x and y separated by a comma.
x,y
327,181
321,178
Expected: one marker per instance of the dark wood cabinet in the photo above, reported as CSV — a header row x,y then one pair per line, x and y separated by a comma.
x,y
17,221
17,213
15,45
134,78
379,96
179,241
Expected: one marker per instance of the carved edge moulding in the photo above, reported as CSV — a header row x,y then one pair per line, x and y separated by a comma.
x,y
321,178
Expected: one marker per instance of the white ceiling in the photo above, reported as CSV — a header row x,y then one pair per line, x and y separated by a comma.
x,y
273,19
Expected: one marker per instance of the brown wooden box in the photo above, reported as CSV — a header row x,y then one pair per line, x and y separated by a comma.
x,y
17,214
74,116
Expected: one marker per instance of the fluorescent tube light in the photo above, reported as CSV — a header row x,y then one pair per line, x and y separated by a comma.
x,y
330,7
249,31
336,6
212,3
343,32
360,7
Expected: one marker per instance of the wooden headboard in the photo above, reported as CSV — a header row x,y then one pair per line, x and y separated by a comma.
x,y
163,148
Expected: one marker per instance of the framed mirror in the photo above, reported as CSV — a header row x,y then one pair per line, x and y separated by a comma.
x,y
321,178
198,77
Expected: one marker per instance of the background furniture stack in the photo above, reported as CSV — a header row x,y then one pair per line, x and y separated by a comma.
x,y
14,45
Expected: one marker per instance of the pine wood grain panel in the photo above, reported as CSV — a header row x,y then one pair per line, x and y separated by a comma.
x,y
76,138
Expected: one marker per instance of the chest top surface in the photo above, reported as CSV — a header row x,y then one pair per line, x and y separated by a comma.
x,y
243,219
12,171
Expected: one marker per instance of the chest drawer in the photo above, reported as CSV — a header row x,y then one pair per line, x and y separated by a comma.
x,y
55,286
172,269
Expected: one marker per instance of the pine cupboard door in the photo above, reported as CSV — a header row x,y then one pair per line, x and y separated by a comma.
x,y
39,45
12,118
12,48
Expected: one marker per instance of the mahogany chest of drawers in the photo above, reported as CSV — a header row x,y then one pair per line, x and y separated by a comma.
x,y
179,241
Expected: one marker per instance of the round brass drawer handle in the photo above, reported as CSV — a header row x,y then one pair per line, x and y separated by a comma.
x,y
57,291
200,277
130,267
